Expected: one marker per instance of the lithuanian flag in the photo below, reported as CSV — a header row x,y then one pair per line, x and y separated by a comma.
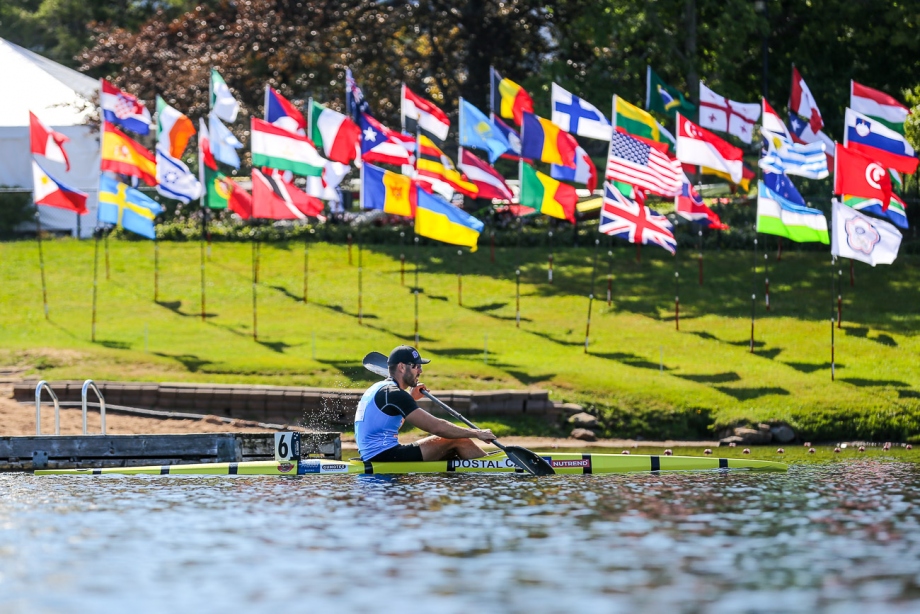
x,y
509,100
637,122
548,196
439,220
121,154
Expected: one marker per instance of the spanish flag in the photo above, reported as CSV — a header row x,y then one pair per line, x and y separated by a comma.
x,y
543,140
122,155
509,100
433,163
439,220
391,192
548,196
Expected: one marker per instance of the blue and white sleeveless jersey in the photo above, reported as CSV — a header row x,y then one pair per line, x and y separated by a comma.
x,y
381,412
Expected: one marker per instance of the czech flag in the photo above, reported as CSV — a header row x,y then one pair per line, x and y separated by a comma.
x,y
393,193
50,192
543,140
509,100
280,112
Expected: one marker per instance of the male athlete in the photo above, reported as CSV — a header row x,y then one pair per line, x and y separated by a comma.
x,y
387,404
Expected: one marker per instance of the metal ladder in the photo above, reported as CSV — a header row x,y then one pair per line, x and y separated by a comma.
x,y
84,393
87,385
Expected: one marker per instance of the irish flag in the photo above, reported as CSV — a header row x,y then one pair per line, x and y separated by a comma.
x,y
277,148
335,133
173,129
878,105
548,196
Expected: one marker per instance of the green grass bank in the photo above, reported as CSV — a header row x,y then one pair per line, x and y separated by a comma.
x,y
642,376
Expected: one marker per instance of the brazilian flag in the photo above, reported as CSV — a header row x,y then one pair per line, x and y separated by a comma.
x,y
661,97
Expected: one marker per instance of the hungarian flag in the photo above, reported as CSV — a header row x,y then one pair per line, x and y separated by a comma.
x,y
277,148
484,177
696,145
280,112
509,100
174,129
121,154
48,191
335,133
428,116
221,192
548,196
803,104
275,199
46,142
858,175
878,105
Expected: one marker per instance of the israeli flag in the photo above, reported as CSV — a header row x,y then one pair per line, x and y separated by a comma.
x,y
784,156
174,180
223,143
576,116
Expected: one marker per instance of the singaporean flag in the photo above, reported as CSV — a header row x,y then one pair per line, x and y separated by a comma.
x,y
696,145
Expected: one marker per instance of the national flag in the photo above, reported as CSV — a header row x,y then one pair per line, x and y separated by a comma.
x,y
690,206
46,142
381,144
122,109
778,216
437,219
630,118
509,100
879,106
428,116
223,104
276,199
861,237
546,195
895,211
584,172
695,145
121,154
803,104
48,191
639,164
512,136
175,180
802,133
281,112
205,156
875,140
782,185
747,175
484,177
174,129
578,116
282,150
720,113
628,219
478,131
325,187
432,163
126,207
223,143
543,140
355,103
859,175
391,192
222,192
784,156
335,133
772,122
661,97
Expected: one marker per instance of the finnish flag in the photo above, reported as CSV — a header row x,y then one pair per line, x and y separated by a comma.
x,y
576,116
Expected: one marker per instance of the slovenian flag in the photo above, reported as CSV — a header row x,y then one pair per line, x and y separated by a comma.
x,y
48,191
875,140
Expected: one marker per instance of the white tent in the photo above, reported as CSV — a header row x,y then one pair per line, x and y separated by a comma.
x,y
63,100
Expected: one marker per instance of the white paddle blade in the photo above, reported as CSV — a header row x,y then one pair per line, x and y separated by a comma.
x,y
376,363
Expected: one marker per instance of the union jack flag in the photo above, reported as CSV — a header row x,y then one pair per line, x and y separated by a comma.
x,y
627,219
355,103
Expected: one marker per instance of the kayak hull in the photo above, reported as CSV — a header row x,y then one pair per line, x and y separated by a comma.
x,y
563,463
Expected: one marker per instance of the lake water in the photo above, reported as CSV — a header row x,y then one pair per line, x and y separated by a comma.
x,y
833,537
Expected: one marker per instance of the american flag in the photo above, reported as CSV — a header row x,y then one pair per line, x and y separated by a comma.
x,y
627,219
632,161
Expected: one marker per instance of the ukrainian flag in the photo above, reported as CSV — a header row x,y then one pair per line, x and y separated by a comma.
x,y
392,192
123,205
437,219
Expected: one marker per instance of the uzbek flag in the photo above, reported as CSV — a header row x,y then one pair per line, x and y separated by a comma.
x,y
548,196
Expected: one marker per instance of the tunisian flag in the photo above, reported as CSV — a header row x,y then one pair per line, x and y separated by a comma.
x,y
46,142
858,175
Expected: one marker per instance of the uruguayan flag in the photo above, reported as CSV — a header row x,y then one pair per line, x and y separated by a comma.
x,y
783,156
174,180
223,143
574,115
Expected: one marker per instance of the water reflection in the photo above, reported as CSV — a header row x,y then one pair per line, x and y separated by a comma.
x,y
835,537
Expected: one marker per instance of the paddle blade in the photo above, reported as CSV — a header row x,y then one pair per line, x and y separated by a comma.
x,y
529,461
376,363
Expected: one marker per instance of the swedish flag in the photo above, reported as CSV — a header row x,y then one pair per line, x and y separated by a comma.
x,y
123,205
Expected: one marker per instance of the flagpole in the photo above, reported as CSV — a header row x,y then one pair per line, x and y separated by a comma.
x,y
609,278
415,288
460,277
840,296
597,247
517,270
105,241
201,204
753,290
833,366
766,276
156,271
255,281
95,286
41,260
549,271
676,294
402,258
360,281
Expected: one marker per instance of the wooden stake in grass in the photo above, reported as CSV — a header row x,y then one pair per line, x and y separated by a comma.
x,y
549,271
701,255
597,244
306,269
517,298
402,260
676,296
840,296
753,294
41,262
156,271
106,240
95,286
204,221
609,278
415,290
255,281
460,277
852,276
766,278
349,249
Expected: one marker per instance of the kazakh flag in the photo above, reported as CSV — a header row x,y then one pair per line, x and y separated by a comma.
x,y
123,205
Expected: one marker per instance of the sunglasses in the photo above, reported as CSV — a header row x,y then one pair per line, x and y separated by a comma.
x,y
412,365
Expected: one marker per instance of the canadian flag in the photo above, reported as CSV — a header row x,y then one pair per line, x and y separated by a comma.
x,y
858,175
803,104
46,142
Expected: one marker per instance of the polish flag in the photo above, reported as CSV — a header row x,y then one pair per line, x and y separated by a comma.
x,y
46,142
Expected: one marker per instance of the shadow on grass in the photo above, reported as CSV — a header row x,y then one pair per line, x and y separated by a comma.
x,y
487,307
287,293
408,337
632,360
191,362
276,346
714,378
549,337
908,394
114,345
870,383
529,379
746,394
437,298
354,371
175,307
458,352
810,367
343,311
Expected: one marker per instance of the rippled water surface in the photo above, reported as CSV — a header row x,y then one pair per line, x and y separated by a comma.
x,y
836,537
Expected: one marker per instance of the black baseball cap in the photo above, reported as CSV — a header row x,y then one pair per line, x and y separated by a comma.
x,y
406,354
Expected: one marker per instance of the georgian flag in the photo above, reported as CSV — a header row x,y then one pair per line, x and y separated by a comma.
x,y
720,113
